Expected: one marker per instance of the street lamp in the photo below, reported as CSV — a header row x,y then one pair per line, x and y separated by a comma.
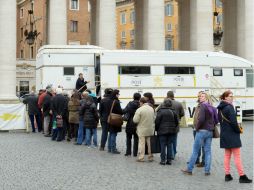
x,y
32,34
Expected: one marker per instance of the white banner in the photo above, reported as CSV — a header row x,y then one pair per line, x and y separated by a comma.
x,y
12,116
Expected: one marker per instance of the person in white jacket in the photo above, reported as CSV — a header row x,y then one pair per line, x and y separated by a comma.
x,y
144,117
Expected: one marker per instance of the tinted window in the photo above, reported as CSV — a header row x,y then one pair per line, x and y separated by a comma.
x,y
238,72
217,72
134,70
179,70
250,78
68,70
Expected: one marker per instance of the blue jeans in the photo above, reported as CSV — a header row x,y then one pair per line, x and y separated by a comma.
x,y
80,138
203,137
89,134
38,121
112,142
104,134
166,142
201,150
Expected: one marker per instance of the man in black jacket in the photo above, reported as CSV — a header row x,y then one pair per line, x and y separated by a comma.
x,y
59,109
33,110
81,83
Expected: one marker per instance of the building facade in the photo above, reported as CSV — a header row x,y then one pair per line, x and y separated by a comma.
x,y
78,33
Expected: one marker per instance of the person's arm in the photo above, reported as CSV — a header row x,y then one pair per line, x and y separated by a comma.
x,y
158,120
231,116
201,117
181,111
137,116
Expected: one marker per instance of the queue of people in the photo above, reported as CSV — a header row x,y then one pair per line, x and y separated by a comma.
x,y
76,119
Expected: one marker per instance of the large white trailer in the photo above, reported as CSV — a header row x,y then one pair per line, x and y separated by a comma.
x,y
184,72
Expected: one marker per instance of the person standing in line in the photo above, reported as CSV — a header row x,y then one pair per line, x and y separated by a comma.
x,y
81,128
113,130
104,110
46,105
144,117
73,107
81,83
207,119
58,109
230,137
131,127
195,121
33,110
91,119
166,123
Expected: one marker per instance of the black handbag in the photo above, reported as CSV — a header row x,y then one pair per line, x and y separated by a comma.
x,y
155,145
216,133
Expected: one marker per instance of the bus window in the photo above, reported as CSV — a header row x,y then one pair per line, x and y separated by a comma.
x,y
139,70
68,70
217,72
249,78
179,70
238,72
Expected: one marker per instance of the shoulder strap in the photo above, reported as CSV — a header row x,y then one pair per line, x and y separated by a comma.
x,y
112,106
224,118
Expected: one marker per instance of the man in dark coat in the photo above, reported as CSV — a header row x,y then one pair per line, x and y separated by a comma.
x,y
104,112
58,107
131,127
81,83
33,110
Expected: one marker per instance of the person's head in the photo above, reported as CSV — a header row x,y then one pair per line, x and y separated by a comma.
x,y
108,91
203,97
49,89
199,94
167,103
59,90
85,94
149,97
80,75
170,94
142,101
136,96
227,96
115,94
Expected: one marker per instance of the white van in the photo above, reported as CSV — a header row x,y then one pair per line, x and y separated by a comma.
x,y
184,72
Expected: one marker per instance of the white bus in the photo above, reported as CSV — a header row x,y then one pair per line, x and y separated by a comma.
x,y
184,72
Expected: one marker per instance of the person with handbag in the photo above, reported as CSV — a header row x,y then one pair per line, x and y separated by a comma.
x,y
131,127
204,134
166,123
144,117
230,137
115,126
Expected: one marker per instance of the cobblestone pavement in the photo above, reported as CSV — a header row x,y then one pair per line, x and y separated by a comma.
x,y
31,161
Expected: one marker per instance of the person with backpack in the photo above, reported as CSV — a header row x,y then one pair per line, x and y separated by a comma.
x,y
131,127
207,119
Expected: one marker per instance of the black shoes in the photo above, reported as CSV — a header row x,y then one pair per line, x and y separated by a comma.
x,y
116,152
228,177
244,179
168,162
163,163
